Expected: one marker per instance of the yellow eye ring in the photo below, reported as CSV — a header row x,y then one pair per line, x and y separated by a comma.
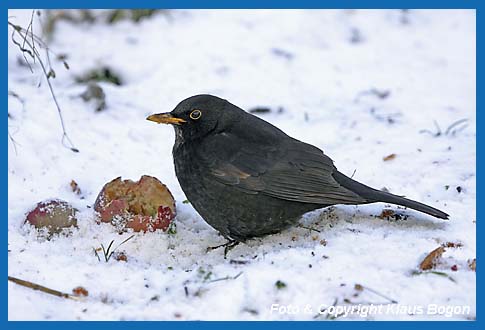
x,y
195,114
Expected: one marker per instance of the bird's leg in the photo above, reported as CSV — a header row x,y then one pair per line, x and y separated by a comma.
x,y
228,246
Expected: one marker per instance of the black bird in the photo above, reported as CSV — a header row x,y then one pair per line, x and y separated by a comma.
x,y
247,178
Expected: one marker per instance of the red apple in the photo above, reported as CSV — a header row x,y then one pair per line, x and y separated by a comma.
x,y
145,205
54,214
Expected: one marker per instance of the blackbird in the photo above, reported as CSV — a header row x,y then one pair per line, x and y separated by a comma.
x,y
247,178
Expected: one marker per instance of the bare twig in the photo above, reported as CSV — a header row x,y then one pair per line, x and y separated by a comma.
x,y
31,27
44,289
28,47
22,49
10,135
309,228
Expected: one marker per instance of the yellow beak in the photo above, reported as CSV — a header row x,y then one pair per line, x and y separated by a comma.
x,y
165,118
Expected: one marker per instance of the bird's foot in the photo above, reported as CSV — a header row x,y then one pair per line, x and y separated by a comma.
x,y
228,246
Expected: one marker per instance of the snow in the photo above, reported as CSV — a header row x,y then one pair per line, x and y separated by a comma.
x,y
303,61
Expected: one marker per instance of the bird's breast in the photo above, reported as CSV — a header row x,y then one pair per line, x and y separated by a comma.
x,y
188,168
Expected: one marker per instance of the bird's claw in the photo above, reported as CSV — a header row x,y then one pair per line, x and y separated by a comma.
x,y
228,246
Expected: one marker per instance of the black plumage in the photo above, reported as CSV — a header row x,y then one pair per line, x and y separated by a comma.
x,y
247,178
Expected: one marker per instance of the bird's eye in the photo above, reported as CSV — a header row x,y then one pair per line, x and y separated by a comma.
x,y
195,114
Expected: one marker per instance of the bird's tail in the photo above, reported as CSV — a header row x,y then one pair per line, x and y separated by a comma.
x,y
372,195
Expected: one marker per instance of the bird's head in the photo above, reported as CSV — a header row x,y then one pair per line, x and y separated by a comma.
x,y
198,115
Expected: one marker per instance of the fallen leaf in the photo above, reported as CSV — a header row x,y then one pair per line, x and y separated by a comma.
x,y
389,157
80,291
120,256
386,214
75,187
430,261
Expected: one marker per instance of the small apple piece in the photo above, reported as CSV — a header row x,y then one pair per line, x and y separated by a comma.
x,y
144,205
54,215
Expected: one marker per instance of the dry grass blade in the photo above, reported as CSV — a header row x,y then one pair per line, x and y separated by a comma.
x,y
226,278
452,130
359,287
108,252
454,127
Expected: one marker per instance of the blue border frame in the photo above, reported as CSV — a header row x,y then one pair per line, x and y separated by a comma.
x,y
465,4
172,4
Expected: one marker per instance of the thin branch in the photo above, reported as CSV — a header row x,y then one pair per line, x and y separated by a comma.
x,y
44,289
23,50
32,52
309,228
31,27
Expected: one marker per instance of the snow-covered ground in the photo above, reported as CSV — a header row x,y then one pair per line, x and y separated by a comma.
x,y
320,66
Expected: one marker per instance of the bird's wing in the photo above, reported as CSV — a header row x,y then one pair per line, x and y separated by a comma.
x,y
293,171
